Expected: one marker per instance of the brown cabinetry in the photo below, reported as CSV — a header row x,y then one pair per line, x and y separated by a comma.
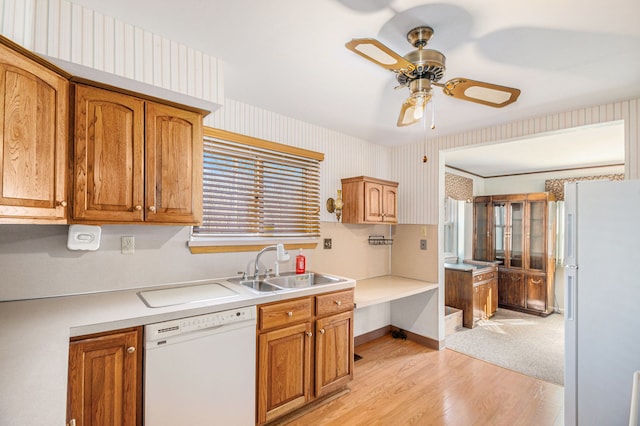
x,y
33,140
303,342
475,291
105,379
518,232
135,160
369,200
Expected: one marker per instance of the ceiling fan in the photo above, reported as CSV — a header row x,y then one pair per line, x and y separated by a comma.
x,y
423,68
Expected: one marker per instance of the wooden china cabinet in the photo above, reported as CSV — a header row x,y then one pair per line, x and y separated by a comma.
x,y
518,232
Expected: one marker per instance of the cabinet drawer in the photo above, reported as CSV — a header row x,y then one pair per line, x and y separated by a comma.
x,y
285,313
340,301
484,277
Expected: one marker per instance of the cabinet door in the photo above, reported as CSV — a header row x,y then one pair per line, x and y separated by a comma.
x,y
482,241
33,141
105,380
334,352
536,235
108,156
390,204
536,292
511,289
373,199
515,236
173,165
284,370
493,296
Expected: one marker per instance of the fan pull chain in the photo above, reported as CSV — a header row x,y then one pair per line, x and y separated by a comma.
x,y
424,141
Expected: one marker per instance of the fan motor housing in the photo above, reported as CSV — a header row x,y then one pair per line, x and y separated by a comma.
x,y
429,63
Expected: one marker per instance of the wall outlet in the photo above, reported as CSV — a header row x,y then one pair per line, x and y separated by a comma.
x,y
128,245
327,243
423,244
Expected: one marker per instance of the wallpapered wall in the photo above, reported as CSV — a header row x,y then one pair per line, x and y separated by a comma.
x,y
458,187
556,186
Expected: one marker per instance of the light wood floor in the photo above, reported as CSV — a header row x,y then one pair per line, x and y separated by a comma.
x,y
398,382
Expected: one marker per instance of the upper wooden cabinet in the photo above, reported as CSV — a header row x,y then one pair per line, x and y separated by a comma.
x,y
369,200
33,141
135,160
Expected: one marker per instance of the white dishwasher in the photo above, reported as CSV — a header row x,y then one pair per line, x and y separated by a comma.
x,y
201,370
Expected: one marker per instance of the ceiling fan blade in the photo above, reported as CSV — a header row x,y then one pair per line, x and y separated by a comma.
x,y
410,112
380,54
477,91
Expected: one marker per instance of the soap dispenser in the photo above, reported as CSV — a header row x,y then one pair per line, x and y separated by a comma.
x,y
301,263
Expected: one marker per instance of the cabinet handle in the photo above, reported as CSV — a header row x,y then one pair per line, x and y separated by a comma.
x,y
62,203
131,349
536,281
152,209
72,422
290,314
309,334
322,331
338,302
137,208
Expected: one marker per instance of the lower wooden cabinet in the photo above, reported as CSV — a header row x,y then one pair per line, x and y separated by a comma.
x,y
105,379
527,292
303,342
473,291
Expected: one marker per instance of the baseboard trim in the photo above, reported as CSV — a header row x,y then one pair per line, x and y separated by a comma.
x,y
421,340
372,335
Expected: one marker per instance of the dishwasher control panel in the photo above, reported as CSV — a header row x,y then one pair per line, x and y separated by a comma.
x,y
200,322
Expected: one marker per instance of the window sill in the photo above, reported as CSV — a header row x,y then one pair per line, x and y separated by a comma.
x,y
237,246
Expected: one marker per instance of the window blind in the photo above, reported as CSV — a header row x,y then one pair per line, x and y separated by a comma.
x,y
252,191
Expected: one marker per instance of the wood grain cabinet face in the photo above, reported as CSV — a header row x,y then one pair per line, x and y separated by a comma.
x,y
520,230
135,160
34,142
105,377
297,348
369,200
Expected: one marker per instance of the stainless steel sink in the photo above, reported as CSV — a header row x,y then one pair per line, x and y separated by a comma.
x,y
256,285
302,280
286,281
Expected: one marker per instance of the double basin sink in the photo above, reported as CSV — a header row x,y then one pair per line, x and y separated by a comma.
x,y
287,281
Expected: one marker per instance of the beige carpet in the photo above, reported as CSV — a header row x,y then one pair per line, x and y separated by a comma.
x,y
520,342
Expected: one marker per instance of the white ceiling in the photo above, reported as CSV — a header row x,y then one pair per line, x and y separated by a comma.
x,y
288,56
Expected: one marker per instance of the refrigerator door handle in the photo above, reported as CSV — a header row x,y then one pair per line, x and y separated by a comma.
x,y
570,299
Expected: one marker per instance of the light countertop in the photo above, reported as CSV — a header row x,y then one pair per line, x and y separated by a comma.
x,y
35,334
388,287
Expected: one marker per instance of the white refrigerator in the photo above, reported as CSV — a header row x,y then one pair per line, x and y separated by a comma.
x,y
602,300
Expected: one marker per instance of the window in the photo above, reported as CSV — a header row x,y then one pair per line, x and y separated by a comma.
x,y
257,190
450,227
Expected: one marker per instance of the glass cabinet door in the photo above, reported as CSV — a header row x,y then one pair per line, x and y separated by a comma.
x,y
481,211
499,232
515,240
536,233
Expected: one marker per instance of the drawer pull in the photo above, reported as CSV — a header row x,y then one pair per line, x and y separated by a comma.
x,y
338,302
290,314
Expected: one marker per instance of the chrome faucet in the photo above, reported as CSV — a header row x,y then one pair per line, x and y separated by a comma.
x,y
281,256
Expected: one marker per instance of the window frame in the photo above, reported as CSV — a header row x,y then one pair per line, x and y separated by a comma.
x,y
217,244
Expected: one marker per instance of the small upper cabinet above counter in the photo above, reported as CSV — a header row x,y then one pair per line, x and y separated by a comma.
x,y
135,160
33,139
369,200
